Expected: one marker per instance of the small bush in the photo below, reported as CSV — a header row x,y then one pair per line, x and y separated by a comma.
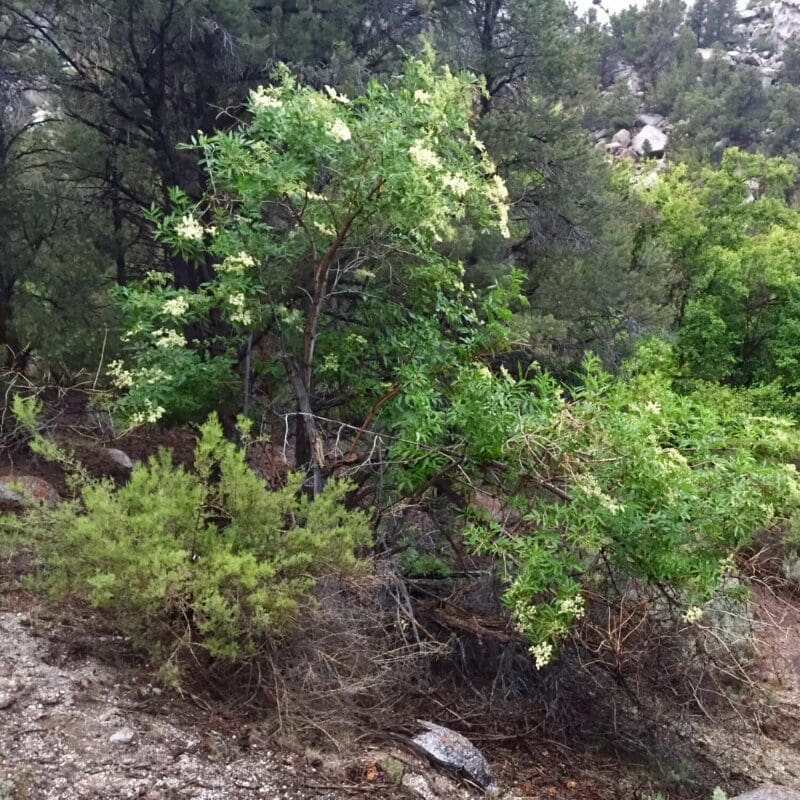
x,y
208,560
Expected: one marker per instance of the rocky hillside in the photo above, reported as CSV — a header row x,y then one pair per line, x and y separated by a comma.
x,y
759,40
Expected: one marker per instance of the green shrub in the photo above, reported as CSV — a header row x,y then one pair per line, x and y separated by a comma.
x,y
208,560
626,482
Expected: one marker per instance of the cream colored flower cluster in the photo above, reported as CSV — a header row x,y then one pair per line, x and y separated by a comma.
x,y
239,314
167,337
423,155
588,484
692,614
176,306
237,264
262,99
542,654
120,377
457,184
574,606
334,95
338,130
189,229
150,413
497,195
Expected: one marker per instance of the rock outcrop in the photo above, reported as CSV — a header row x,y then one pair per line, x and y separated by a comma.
x,y
650,141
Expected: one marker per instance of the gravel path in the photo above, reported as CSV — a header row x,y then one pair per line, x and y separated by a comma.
x,y
76,730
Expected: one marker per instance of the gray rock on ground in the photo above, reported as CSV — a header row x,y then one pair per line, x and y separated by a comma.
x,y
122,736
457,753
769,792
22,491
118,457
622,137
649,140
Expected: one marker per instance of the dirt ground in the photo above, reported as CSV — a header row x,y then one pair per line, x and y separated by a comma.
x,y
72,726
79,721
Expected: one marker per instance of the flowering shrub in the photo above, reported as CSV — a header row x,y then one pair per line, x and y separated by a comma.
x,y
208,561
323,227
628,480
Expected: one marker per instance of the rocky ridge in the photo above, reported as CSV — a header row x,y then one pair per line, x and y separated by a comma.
x,y
760,37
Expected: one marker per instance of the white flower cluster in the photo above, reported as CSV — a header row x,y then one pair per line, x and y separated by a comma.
x,y
189,229
496,190
424,156
693,614
524,616
176,306
334,95
150,413
261,150
239,314
156,277
676,456
421,96
154,375
120,377
338,130
476,142
727,565
574,606
457,184
237,264
324,228
502,223
262,99
167,337
497,195
542,654
590,488
123,378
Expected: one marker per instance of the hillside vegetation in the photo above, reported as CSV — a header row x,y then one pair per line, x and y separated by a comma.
x,y
358,354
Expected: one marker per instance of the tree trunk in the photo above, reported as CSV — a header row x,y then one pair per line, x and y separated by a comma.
x,y
12,356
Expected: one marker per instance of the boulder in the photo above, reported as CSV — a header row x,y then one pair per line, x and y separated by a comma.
x,y
656,120
622,137
751,59
752,14
762,29
625,72
769,792
118,457
455,752
768,75
785,22
649,141
23,491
